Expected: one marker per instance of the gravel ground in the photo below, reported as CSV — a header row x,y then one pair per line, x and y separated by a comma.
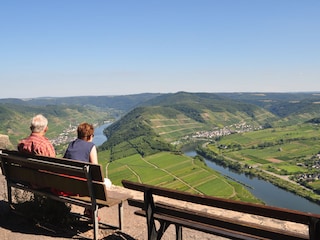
x,y
13,226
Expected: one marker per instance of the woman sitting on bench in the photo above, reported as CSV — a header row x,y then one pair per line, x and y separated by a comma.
x,y
83,149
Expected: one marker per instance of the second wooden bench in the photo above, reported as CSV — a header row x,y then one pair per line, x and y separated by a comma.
x,y
167,213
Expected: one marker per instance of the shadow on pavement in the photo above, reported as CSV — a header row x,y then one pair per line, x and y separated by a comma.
x,y
15,222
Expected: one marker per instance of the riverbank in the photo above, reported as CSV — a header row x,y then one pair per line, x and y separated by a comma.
x,y
287,185
301,198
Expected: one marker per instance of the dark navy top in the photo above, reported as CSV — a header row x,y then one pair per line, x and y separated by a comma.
x,y
79,150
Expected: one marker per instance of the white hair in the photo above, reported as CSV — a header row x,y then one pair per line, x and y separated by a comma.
x,y
38,123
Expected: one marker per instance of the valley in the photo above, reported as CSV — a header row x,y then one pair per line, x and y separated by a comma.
x,y
248,132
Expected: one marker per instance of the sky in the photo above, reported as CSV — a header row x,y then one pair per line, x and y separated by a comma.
x,y
60,48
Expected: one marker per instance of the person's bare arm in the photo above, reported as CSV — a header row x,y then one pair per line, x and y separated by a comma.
x,y
94,155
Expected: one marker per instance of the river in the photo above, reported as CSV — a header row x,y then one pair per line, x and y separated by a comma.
x,y
99,137
270,194
267,192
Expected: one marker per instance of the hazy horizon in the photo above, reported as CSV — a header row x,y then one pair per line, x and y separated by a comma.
x,y
115,95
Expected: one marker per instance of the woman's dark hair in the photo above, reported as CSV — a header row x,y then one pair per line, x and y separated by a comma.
x,y
85,131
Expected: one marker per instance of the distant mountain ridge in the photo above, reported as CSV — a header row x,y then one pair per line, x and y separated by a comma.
x,y
281,104
150,122
119,102
273,102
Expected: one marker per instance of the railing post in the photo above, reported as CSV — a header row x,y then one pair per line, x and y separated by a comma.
x,y
178,232
314,229
120,215
149,206
94,206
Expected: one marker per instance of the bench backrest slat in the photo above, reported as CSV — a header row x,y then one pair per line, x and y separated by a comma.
x,y
96,171
44,179
35,164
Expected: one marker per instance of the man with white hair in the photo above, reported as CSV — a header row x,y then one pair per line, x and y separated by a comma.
x,y
37,143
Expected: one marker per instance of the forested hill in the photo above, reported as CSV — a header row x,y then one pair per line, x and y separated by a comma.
x,y
15,118
15,114
194,105
165,120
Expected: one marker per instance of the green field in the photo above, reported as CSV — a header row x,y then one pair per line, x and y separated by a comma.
x,y
273,145
176,172
174,128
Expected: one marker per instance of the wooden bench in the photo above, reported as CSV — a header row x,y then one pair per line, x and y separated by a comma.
x,y
167,214
39,174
